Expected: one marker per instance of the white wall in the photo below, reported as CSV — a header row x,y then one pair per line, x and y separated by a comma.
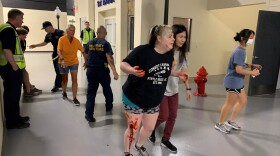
x,y
147,14
118,10
85,10
213,31
34,19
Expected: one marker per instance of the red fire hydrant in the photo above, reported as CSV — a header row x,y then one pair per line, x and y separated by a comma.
x,y
200,80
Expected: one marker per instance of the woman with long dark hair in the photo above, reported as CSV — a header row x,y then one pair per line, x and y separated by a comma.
x,y
169,104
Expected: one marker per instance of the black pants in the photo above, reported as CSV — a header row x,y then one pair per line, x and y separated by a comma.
x,y
58,78
12,92
96,76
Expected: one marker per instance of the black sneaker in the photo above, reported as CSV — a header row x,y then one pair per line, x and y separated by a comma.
x,y
109,109
168,145
64,95
76,102
152,138
24,118
141,150
90,119
127,154
20,125
55,89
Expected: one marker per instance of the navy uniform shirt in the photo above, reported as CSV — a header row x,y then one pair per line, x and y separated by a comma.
x,y
96,50
53,38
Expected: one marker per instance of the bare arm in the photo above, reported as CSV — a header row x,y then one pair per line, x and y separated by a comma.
x,y
111,63
127,68
10,58
38,45
242,71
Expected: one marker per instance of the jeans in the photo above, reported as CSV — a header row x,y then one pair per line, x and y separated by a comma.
x,y
96,76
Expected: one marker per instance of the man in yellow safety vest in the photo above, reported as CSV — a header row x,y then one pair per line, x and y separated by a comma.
x,y
12,64
87,34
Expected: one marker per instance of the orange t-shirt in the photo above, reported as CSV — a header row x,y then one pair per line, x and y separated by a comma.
x,y
69,50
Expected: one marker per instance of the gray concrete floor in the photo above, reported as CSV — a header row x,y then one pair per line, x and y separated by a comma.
x,y
58,128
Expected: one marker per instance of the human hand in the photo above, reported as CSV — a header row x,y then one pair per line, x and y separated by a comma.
x,y
32,46
85,66
255,72
189,95
15,67
137,72
63,64
116,75
257,66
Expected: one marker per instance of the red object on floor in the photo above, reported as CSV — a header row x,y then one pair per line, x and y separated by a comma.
x,y
200,80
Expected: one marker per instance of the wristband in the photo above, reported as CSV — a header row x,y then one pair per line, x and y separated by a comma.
x,y
188,88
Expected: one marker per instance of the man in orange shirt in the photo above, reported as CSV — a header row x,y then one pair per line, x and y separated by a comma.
x,y
68,47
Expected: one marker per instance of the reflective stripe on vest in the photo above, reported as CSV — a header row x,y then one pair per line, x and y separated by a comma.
x,y
18,56
87,36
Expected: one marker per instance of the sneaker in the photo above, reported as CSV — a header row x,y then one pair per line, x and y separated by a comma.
x,y
109,109
64,95
90,119
24,118
141,150
55,89
222,128
76,102
20,125
152,138
37,90
127,154
168,145
233,125
30,94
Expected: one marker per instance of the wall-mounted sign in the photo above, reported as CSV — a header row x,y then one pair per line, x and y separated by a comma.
x,y
104,2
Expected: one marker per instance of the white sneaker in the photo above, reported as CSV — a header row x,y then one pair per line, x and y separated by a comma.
x,y
233,125
222,128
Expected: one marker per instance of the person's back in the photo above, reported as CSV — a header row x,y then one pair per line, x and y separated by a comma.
x,y
99,57
97,52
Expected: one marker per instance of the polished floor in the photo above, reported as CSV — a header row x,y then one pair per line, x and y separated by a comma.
x,y
58,128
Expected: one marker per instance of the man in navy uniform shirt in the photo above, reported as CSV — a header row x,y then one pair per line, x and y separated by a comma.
x,y
99,57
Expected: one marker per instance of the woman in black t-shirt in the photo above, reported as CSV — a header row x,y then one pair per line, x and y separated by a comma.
x,y
149,67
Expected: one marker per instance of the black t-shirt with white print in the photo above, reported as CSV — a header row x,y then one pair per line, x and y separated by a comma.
x,y
147,92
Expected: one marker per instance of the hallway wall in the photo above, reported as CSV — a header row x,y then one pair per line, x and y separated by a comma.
x,y
34,19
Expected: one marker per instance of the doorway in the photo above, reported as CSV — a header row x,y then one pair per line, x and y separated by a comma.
x,y
266,53
110,24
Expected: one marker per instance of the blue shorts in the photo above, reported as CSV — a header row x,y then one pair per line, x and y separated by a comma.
x,y
73,68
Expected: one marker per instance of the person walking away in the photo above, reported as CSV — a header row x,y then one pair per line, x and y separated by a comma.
x,y
99,53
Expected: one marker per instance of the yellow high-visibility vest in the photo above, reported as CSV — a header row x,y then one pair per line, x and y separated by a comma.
x,y
18,56
87,35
